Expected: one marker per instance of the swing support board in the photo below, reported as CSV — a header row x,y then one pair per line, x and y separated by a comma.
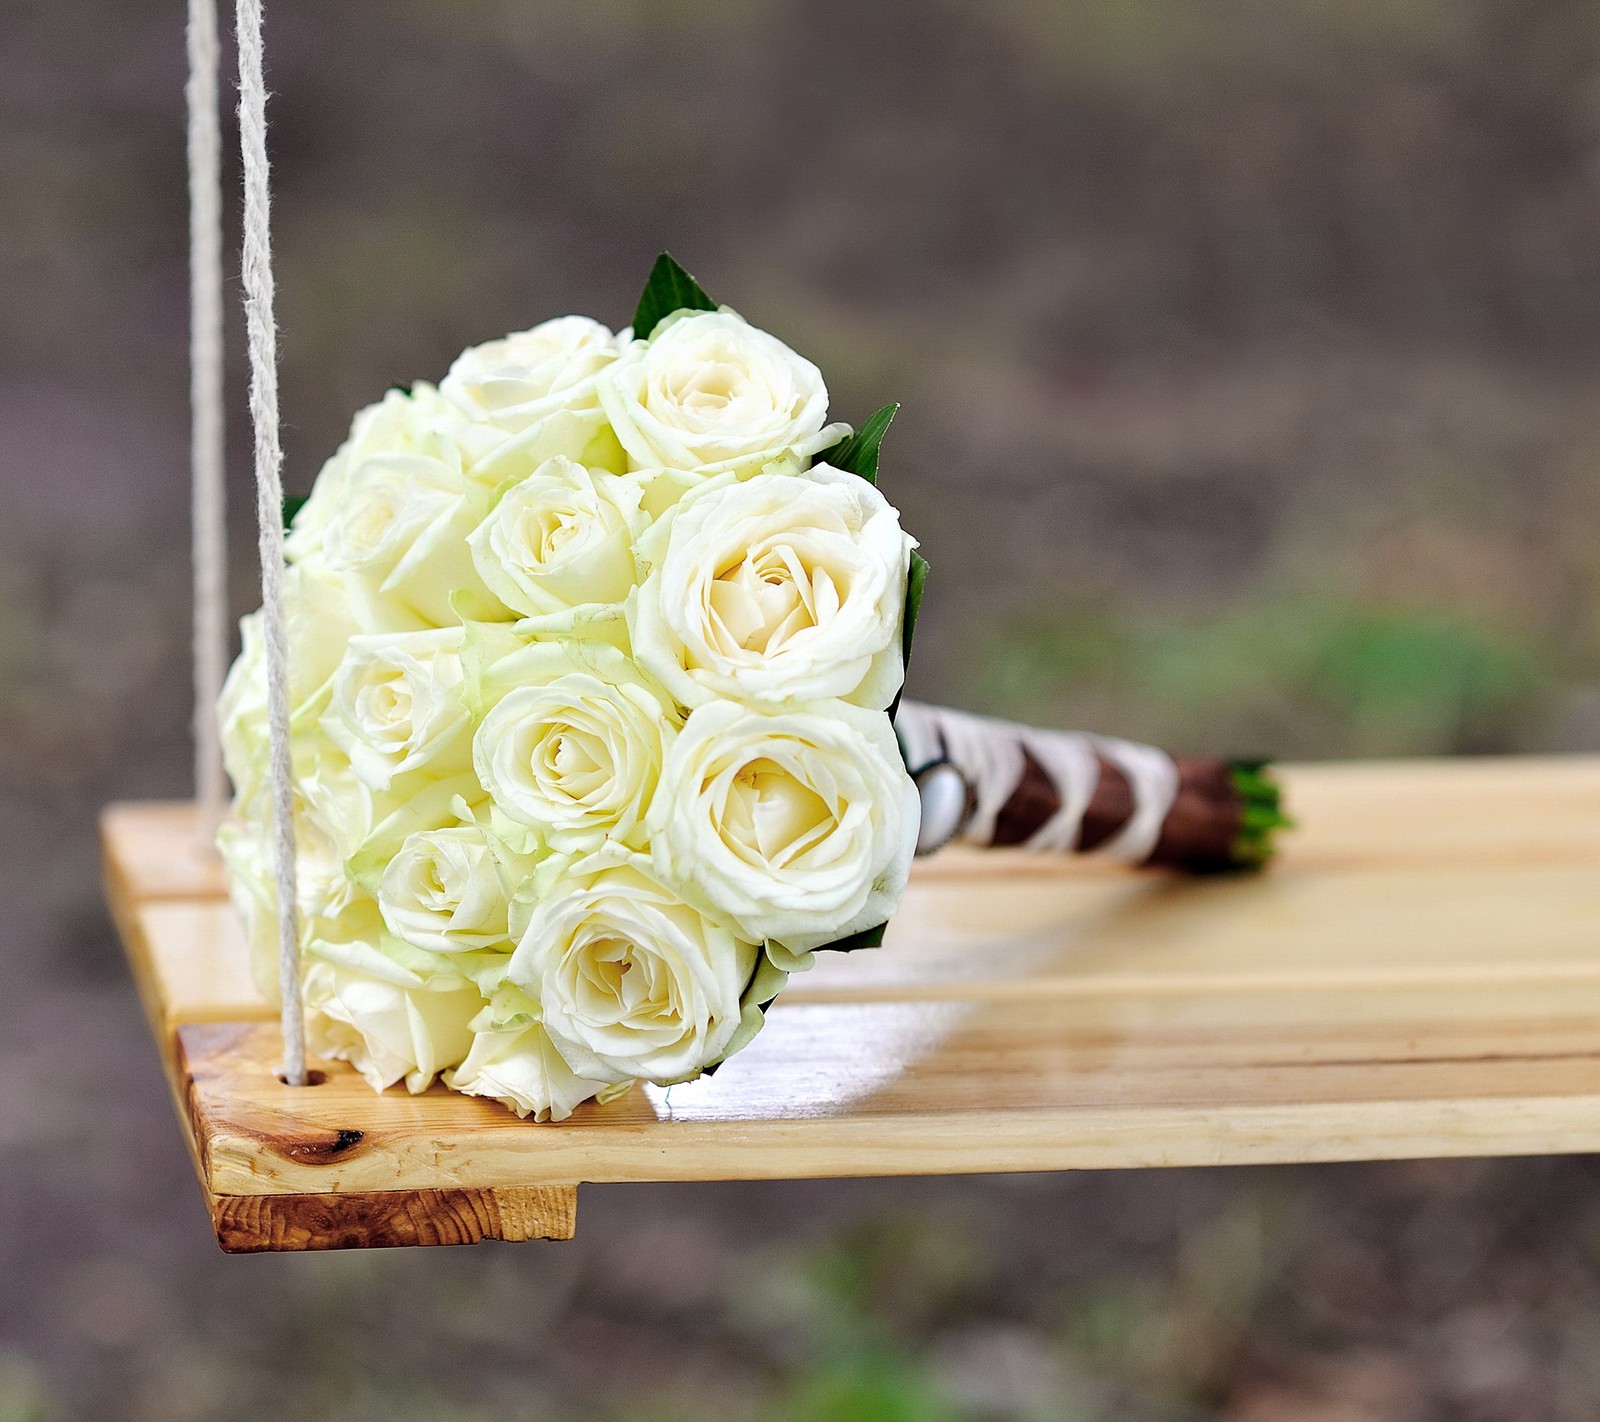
x,y
1417,976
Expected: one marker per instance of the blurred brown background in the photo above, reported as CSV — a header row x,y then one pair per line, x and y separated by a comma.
x,y
1249,354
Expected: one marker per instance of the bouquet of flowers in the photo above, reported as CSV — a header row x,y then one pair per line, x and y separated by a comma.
x,y
594,650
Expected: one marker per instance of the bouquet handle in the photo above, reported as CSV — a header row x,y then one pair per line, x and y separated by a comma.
x,y
994,783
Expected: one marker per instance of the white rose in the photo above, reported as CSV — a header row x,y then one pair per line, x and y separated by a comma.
x,y
419,423
394,425
779,589
242,713
633,982
246,850
333,819
521,1068
320,619
386,1021
403,528
394,506
708,388
444,893
797,827
561,538
514,382
334,815
574,742
396,706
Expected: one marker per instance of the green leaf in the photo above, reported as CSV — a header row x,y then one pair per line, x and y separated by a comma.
x,y
292,504
1260,816
858,454
669,289
916,581
866,938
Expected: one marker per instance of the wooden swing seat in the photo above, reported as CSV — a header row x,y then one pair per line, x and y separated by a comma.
x,y
1418,975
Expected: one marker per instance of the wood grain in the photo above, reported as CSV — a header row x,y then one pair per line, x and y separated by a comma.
x,y
1419,976
160,848
251,1224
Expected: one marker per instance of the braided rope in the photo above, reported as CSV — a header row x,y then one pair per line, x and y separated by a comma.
x,y
208,530
263,343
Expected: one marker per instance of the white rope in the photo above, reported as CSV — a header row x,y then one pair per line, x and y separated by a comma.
x,y
989,755
263,341
207,523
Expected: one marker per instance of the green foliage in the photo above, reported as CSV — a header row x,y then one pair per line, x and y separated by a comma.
x,y
1263,813
1307,675
668,289
858,454
24,1396
916,582
850,1307
292,504
866,938
871,1386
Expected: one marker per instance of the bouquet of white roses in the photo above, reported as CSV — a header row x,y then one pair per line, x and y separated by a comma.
x,y
593,649
593,654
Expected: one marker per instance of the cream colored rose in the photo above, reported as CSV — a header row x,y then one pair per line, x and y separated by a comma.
x,y
403,528
396,707
632,981
242,713
246,850
334,815
392,509
574,742
444,892
525,377
521,1068
321,617
707,389
779,589
400,423
559,539
400,473
389,1023
797,827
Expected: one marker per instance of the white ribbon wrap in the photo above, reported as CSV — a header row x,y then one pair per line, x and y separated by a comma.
x,y
989,754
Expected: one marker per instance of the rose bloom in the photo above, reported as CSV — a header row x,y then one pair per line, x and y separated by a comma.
x,y
334,817
392,508
389,1023
797,827
404,531
322,613
396,706
633,982
415,423
527,376
559,539
783,588
521,1068
574,742
444,892
707,389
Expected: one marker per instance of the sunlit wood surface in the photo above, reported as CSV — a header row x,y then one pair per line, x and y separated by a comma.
x,y
1419,975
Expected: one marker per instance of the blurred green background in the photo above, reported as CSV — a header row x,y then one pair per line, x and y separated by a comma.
x,y
1249,353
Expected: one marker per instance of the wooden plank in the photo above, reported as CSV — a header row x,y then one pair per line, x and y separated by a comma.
x,y
161,851
1420,976
191,965
196,954
1071,932
886,1088
251,1224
